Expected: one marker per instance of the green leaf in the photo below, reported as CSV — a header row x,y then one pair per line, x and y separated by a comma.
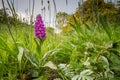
x,y
39,44
49,53
116,78
105,26
20,54
31,58
87,26
51,65
75,77
77,27
43,77
84,75
1,68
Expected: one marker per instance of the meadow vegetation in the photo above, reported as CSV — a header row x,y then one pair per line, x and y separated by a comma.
x,y
81,51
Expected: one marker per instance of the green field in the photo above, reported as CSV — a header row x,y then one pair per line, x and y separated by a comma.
x,y
87,48
84,53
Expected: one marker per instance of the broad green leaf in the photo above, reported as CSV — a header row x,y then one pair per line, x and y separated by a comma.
x,y
75,77
84,75
50,65
20,54
49,53
31,58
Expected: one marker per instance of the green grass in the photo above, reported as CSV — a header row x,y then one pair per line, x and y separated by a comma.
x,y
84,53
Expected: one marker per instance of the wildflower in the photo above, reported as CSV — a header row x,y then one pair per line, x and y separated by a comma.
x,y
40,31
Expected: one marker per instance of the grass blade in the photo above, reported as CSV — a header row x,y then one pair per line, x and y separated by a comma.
x,y
105,26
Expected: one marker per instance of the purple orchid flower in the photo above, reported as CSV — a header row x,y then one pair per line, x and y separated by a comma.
x,y
40,30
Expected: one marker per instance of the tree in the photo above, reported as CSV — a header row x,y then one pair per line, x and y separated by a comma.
x,y
88,11
2,18
61,19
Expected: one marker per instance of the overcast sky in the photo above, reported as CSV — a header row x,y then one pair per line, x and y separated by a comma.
x,y
22,7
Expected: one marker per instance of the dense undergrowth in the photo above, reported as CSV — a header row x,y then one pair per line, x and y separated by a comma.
x,y
84,53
